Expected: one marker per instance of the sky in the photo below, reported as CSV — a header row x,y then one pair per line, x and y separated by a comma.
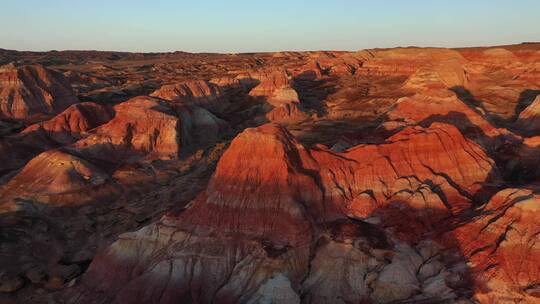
x,y
231,26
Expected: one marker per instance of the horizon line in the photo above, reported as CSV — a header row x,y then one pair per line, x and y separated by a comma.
x,y
276,51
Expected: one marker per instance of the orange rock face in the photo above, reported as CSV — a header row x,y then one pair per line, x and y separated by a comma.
x,y
410,164
140,125
29,91
150,126
191,90
501,244
287,113
55,173
268,213
424,109
406,175
528,119
275,87
68,126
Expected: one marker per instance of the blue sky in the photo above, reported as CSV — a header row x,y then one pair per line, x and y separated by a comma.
x,y
269,25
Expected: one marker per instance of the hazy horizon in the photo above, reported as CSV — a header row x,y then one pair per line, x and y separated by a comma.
x,y
244,26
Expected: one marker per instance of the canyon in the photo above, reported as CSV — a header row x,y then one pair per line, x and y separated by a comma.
x,y
404,175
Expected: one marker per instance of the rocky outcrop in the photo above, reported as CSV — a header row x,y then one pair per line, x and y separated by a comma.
x,y
499,55
55,174
70,125
529,119
199,126
434,170
309,71
197,92
355,269
252,215
287,113
501,244
146,199
63,129
190,91
140,126
277,228
147,126
275,88
425,109
28,92
528,157
340,65
408,61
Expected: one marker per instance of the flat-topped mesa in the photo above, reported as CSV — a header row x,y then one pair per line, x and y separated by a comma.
x,y
529,119
407,61
497,55
70,125
31,92
150,126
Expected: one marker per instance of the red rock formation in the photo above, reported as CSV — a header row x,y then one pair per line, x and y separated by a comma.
x,y
287,113
433,168
401,210
54,174
310,71
70,125
501,245
63,129
275,87
407,61
252,213
198,92
425,109
340,66
268,192
199,126
189,91
529,119
30,91
152,127
260,218
527,158
141,125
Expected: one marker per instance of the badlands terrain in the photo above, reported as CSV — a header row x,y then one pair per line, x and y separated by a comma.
x,y
407,175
